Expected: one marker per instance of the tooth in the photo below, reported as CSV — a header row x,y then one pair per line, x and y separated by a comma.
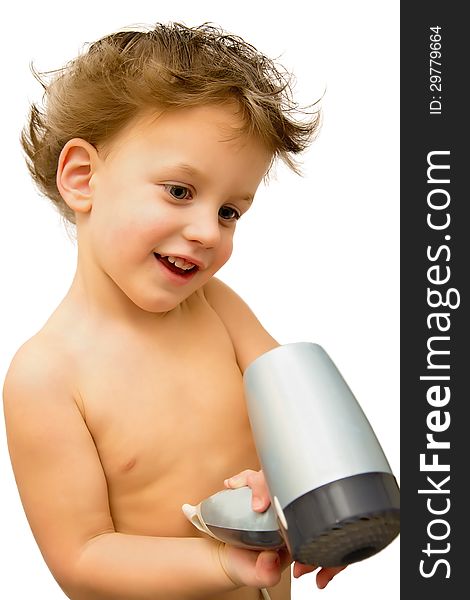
x,y
179,262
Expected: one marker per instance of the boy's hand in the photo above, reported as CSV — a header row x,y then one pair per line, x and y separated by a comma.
x,y
255,480
253,568
260,502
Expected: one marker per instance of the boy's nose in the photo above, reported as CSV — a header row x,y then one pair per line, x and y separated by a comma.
x,y
204,229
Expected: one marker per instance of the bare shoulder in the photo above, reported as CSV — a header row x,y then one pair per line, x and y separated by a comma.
x,y
249,337
40,366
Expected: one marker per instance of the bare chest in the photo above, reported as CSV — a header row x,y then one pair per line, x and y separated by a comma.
x,y
169,423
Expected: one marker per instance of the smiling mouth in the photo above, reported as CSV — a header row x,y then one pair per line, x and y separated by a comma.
x,y
185,270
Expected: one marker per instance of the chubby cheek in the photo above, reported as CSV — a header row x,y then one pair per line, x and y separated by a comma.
x,y
128,236
223,254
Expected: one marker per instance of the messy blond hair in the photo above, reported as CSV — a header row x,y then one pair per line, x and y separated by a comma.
x,y
168,67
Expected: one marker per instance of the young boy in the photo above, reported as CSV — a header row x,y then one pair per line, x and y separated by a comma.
x,y
129,401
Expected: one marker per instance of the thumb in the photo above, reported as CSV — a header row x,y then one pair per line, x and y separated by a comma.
x,y
268,568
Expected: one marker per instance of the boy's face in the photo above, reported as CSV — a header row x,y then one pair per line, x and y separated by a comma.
x,y
166,200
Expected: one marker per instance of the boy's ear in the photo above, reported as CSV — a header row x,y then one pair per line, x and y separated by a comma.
x,y
74,173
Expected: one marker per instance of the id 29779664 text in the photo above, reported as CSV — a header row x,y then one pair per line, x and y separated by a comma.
x,y
435,70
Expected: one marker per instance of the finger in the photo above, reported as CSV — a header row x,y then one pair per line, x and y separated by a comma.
x,y
260,500
268,568
239,480
301,569
256,481
325,575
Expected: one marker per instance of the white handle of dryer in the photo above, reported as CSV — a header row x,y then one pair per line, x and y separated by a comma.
x,y
193,514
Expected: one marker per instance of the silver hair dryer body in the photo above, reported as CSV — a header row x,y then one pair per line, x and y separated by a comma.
x,y
332,491
330,484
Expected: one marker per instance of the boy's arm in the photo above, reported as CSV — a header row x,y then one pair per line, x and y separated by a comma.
x,y
249,337
64,493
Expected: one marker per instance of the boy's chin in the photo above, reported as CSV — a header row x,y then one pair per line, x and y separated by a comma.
x,y
160,305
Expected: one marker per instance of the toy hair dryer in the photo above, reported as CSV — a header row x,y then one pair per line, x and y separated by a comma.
x,y
334,499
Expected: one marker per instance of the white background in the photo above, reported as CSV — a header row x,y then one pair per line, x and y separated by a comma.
x,y
316,258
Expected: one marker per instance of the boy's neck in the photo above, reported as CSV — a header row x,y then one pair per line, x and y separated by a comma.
x,y
97,296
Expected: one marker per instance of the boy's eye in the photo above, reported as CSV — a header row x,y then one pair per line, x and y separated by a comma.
x,y
227,213
179,192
